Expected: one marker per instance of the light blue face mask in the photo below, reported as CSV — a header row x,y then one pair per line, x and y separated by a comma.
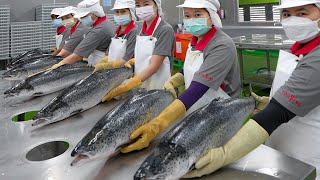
x,y
123,19
87,21
197,26
57,23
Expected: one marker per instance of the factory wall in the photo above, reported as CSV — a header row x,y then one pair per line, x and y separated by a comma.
x,y
234,28
24,10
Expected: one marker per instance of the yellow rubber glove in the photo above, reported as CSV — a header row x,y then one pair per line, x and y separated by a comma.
x,y
248,138
150,130
174,82
262,102
108,65
131,84
56,65
130,63
104,60
53,49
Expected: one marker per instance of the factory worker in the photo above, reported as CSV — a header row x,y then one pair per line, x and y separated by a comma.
x,y
97,40
62,32
211,70
65,13
153,50
122,46
76,28
292,117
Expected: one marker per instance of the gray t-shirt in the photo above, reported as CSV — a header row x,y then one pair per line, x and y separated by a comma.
x,y
131,43
165,41
98,38
301,93
221,65
65,36
75,38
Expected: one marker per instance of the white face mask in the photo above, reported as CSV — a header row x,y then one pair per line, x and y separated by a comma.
x,y
300,29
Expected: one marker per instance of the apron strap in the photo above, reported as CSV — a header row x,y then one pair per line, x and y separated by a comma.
x,y
158,22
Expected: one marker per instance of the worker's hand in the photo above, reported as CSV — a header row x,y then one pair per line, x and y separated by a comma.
x,y
174,82
262,102
108,65
104,60
130,63
57,65
131,84
150,130
249,137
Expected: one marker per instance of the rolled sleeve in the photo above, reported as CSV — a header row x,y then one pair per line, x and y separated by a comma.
x,y
73,42
131,44
165,43
88,44
65,37
218,60
301,93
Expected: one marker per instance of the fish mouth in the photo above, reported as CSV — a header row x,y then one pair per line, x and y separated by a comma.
x,y
8,95
79,159
8,77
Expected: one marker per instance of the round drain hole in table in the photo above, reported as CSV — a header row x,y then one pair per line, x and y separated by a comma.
x,y
47,151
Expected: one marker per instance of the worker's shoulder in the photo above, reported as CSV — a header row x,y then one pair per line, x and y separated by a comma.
x,y
220,41
107,25
135,30
165,27
223,38
82,28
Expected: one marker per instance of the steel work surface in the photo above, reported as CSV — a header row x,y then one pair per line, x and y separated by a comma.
x,y
17,138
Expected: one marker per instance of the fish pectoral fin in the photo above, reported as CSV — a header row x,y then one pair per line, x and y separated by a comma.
x,y
76,112
38,94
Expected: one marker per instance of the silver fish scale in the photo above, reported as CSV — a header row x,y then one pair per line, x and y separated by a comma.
x,y
50,81
114,129
64,74
24,70
27,60
85,94
42,63
212,125
208,127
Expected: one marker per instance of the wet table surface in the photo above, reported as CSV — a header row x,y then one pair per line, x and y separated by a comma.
x,y
17,138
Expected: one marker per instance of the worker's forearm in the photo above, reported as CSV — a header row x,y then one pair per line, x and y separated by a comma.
x,y
273,116
153,68
64,53
122,62
73,58
56,52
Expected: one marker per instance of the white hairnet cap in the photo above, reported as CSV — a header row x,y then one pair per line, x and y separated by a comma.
x,y
126,4
68,10
89,6
158,2
297,3
211,6
56,11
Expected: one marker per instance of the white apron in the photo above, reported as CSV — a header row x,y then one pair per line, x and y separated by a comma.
x,y
117,48
193,62
95,57
300,137
58,40
143,54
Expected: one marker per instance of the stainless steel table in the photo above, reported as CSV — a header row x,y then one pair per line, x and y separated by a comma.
x,y
267,42
18,138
